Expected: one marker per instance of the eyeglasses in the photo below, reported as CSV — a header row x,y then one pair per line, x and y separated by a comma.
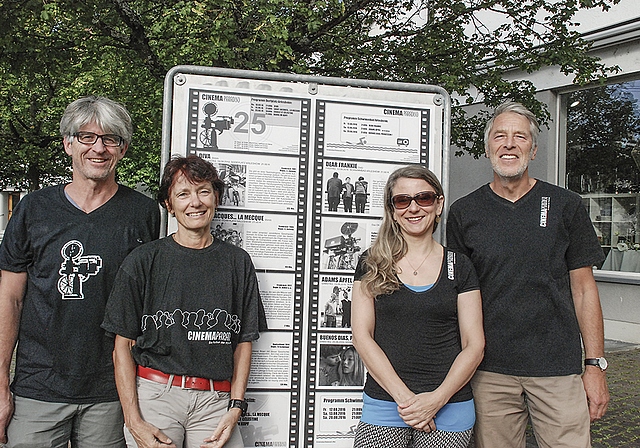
x,y
423,199
89,138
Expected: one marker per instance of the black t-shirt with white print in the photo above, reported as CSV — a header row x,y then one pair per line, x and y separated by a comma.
x,y
187,309
71,259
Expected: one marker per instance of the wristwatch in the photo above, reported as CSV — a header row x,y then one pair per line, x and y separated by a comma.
x,y
240,404
598,362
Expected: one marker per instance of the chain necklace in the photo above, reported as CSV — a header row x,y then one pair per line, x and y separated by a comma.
x,y
415,270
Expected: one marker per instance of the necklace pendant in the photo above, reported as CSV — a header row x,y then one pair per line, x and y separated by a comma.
x,y
415,272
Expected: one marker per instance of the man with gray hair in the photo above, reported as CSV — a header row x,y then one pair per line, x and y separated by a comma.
x,y
533,247
58,259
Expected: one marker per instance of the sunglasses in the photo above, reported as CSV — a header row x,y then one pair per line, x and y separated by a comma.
x,y
423,199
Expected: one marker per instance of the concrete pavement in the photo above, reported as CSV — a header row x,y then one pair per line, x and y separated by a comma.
x,y
620,427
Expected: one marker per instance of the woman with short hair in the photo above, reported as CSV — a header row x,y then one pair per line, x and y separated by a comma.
x,y
185,310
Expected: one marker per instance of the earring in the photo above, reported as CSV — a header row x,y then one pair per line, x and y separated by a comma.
x,y
438,218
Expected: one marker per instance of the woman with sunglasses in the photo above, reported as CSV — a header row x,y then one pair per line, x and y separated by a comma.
x,y
417,324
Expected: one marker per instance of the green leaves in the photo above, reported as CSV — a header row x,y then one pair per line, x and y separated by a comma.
x,y
53,52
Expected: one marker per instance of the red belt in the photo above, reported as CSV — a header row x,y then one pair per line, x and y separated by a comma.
x,y
186,382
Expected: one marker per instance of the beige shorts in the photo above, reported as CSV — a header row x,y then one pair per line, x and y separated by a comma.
x,y
557,407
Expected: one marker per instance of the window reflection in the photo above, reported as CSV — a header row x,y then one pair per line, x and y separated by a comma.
x,y
603,165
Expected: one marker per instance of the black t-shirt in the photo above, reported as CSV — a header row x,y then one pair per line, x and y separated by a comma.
x,y
187,309
419,331
71,258
523,253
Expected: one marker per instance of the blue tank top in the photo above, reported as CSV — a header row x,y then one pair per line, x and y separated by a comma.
x,y
453,417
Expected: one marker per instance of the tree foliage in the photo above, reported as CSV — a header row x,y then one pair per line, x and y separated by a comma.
x,y
57,50
603,129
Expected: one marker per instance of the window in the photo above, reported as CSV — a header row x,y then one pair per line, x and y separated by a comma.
x,y
603,165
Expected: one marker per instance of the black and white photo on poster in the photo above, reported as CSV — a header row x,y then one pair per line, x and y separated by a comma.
x,y
338,363
278,294
268,237
336,418
334,301
234,177
255,181
229,233
265,424
359,131
271,361
233,121
354,187
343,241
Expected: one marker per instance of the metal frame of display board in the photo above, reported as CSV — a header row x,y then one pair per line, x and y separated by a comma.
x,y
283,144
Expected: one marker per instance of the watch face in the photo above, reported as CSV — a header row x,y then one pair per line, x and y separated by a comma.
x,y
602,363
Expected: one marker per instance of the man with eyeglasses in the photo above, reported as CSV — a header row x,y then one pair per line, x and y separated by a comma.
x,y
533,247
59,256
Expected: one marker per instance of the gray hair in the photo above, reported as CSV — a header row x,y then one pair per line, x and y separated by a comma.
x,y
512,106
110,115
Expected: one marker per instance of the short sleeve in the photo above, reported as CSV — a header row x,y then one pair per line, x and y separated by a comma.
x,y
455,239
15,251
125,305
584,248
361,268
465,273
254,317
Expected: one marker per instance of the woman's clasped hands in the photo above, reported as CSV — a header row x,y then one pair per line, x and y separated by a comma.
x,y
419,411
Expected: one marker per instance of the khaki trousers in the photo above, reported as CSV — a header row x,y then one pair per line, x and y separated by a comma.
x,y
557,407
38,424
186,416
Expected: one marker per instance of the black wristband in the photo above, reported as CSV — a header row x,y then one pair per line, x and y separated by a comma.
x,y
240,404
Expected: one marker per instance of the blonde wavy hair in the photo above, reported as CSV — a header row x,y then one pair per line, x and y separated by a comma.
x,y
390,246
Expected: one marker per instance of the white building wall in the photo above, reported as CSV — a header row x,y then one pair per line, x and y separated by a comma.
x,y
4,208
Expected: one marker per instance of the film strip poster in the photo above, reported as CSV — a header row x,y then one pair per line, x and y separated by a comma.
x,y
264,425
260,146
357,146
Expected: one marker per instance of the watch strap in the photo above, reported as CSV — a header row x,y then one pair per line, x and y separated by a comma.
x,y
597,362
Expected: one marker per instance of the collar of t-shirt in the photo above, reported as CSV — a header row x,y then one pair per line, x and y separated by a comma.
x,y
71,200
419,288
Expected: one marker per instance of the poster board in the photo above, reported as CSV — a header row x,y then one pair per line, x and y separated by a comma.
x,y
304,160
